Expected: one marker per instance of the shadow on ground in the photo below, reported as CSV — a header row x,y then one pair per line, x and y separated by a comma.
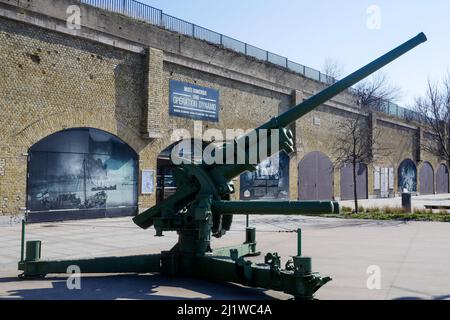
x,y
427,295
444,297
141,287
325,223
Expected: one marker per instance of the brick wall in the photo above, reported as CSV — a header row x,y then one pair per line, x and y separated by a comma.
x,y
51,80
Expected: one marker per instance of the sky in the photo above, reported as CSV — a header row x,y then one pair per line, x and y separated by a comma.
x,y
351,32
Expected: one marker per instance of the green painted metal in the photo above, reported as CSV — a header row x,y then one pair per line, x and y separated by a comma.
x,y
22,242
235,252
274,207
201,208
250,235
33,250
127,264
302,264
299,242
302,285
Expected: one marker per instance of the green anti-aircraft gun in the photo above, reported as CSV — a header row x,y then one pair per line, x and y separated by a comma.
x,y
201,207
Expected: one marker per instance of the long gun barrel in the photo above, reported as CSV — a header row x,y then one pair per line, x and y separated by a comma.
x,y
274,207
303,108
221,173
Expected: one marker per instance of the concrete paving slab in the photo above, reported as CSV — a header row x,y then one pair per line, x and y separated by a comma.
x,y
413,258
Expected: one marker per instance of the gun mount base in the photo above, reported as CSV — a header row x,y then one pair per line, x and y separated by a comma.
x,y
224,264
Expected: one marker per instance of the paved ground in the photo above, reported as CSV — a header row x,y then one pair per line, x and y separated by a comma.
x,y
414,258
418,202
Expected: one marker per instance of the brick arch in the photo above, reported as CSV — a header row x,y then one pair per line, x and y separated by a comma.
x,y
53,123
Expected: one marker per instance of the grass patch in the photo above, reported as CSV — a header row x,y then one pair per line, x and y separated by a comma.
x,y
391,213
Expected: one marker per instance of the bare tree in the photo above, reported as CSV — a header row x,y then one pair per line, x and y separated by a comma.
x,y
354,145
374,92
434,112
333,69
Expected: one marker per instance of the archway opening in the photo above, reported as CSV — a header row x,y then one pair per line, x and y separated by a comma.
x,y
165,182
347,182
426,178
442,185
81,173
315,177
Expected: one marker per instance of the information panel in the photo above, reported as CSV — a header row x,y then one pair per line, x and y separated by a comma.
x,y
270,180
195,102
147,179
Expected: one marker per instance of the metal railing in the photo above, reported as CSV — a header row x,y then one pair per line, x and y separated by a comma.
x,y
144,12
141,11
395,110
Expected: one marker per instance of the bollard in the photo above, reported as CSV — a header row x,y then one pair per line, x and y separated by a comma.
x,y
299,242
250,235
33,250
406,201
22,241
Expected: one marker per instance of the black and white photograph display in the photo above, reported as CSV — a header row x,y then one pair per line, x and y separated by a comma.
x,y
407,176
270,180
83,172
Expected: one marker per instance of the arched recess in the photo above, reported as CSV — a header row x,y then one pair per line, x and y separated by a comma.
x,y
346,181
315,177
81,173
426,178
165,182
32,133
442,179
407,176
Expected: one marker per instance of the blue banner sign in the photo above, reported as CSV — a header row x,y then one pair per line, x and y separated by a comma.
x,y
195,102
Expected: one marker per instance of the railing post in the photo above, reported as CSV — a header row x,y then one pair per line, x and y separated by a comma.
x,y
22,242
123,8
221,39
161,18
